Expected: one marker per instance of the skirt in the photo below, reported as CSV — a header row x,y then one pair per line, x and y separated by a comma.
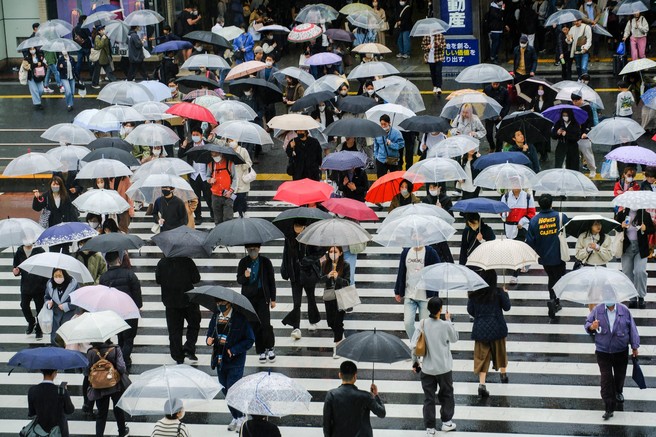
x,y
484,351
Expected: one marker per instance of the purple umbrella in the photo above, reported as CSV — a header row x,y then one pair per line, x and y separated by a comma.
x,y
325,58
66,232
554,112
340,35
344,160
633,154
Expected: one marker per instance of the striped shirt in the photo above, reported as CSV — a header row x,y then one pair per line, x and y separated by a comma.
x,y
170,428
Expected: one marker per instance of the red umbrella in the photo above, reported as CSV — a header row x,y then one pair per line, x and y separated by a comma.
x,y
303,192
386,187
192,111
350,208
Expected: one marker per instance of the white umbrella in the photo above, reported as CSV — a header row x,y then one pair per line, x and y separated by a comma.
x,y
117,31
205,60
70,156
329,82
244,132
637,65
616,130
229,32
483,73
483,105
61,45
111,114
449,277
125,93
32,163
92,327
429,27
143,17
400,91
268,394
506,176
564,16
101,202
106,123
413,231
18,231
207,101
152,134
397,113
293,122
333,232
54,29
172,166
593,285
230,110
159,90
372,69
435,170
153,110
454,146
103,168
564,182
149,188
419,209
502,254
568,87
96,298
68,133
42,264
302,76
636,200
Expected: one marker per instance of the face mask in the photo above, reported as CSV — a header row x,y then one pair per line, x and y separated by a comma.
x,y
302,135
58,280
199,49
253,253
173,89
248,93
233,144
404,192
101,185
55,189
523,45
565,118
589,3
269,36
33,51
322,108
628,179
216,158
64,53
433,193
334,256
269,64
166,193
128,129
386,129
195,138
222,307
609,304
94,225
157,152
343,93
370,92
540,92
402,3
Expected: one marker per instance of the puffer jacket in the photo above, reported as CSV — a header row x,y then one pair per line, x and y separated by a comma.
x,y
489,323
124,280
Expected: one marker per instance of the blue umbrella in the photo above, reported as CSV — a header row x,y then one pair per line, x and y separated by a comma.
x,y
344,160
501,158
554,112
649,98
106,7
48,358
172,46
66,232
480,204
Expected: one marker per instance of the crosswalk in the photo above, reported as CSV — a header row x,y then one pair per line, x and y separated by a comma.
x,y
553,373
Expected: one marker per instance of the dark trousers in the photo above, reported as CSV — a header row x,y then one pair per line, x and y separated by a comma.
x,y
240,205
293,319
613,371
382,168
436,73
227,378
335,319
264,338
202,191
175,318
126,340
95,77
470,194
87,404
567,153
137,66
103,408
495,43
430,384
489,127
566,69
25,306
554,273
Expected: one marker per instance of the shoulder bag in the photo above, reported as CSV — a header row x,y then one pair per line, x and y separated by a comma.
x,y
249,176
617,245
420,340
562,239
94,56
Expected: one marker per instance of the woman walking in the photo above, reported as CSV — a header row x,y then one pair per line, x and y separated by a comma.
x,y
636,30
336,274
593,249
58,299
36,71
68,77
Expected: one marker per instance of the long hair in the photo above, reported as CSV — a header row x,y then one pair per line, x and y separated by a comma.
x,y
327,266
488,293
67,279
602,235
63,191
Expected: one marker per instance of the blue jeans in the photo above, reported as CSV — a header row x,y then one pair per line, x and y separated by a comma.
x,y
581,64
52,69
403,41
36,90
81,55
69,91
410,308
351,258
227,378
495,43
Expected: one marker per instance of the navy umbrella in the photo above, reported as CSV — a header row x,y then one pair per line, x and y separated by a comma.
x,y
356,104
425,124
285,220
48,358
501,158
344,160
65,232
311,100
207,295
182,241
637,374
242,231
172,46
113,153
106,142
480,204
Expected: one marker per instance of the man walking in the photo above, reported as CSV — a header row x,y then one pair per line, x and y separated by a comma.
x,y
305,157
387,149
500,94
82,36
32,287
580,38
50,404
526,60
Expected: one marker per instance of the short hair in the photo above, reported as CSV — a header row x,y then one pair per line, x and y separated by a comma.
x,y
650,172
247,245
82,18
385,118
348,369
367,83
48,372
545,201
111,225
197,128
472,217
622,84
111,257
36,25
408,184
166,27
434,306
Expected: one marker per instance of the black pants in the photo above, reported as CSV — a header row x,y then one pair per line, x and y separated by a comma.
x,y
25,306
264,338
335,319
126,340
470,194
103,410
567,153
175,318
430,384
202,191
137,66
87,404
382,168
566,69
293,319
554,273
489,127
240,203
95,77
436,73
613,371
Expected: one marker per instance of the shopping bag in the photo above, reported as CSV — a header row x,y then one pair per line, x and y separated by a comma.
x,y
617,245
347,297
621,49
45,319
418,341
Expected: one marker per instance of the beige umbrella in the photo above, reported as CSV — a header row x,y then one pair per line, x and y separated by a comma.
x,y
293,122
372,47
245,69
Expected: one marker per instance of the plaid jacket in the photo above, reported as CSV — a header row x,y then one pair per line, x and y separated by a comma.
x,y
439,43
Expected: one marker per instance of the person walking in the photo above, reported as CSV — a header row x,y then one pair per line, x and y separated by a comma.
x,y
93,261
31,287
176,276
402,28
564,52
593,248
584,143
404,197
495,26
35,64
539,104
468,123
636,30
259,426
58,299
304,157
51,61
102,44
50,404
568,132
518,219
346,409
335,274
436,369
242,178
500,95
197,179
221,175
474,234
469,190
387,148
57,204
614,331
525,61
242,46
82,36
136,54
169,211
433,47
529,150
580,39
68,77
171,424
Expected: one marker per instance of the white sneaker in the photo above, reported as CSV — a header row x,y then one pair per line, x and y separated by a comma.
x,y
241,421
313,327
271,355
233,425
296,334
513,280
406,56
439,90
399,55
263,357
592,175
431,431
62,89
434,90
47,90
448,426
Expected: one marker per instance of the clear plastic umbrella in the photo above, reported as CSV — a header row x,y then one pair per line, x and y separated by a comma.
x,y
96,298
103,168
101,17
153,135
207,101
564,182
117,31
329,82
35,41
61,45
630,7
593,285
143,17
616,130
231,110
372,69
32,163
636,200
302,76
365,19
205,60
397,113
419,209
114,113
106,123
483,73
449,277
69,156
506,176
229,32
435,170
317,13
101,202
158,388
502,254
159,90
148,189
42,264
333,232
18,231
568,87
637,65
125,93
68,133
268,394
563,16
400,91
54,29
172,166
484,106
92,327
454,146
153,110
414,231
244,132
429,27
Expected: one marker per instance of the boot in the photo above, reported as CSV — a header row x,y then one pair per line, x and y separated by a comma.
x,y
482,391
39,333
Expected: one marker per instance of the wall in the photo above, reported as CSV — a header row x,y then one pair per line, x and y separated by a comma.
x,y
16,18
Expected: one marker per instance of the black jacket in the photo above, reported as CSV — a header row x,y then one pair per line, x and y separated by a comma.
x,y
643,237
167,69
176,276
50,408
489,323
173,211
300,261
135,48
589,122
83,33
259,428
361,184
307,158
267,278
31,285
66,212
346,411
124,280
535,107
572,132
530,59
468,242
341,281
404,15
501,96
494,20
444,199
63,71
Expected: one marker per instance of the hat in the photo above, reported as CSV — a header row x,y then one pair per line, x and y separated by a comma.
x,y
575,96
523,39
172,406
258,49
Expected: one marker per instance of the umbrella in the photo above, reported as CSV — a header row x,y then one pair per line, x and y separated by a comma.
x,y
152,134
449,277
616,130
244,132
435,170
329,82
564,16
633,154
92,327
266,91
387,186
339,35
637,375
429,27
554,113
117,31
182,242
148,189
501,158
372,69
197,96
502,254
425,124
107,124
481,204
48,358
32,163
354,127
95,298
564,182
285,219
637,65
17,231
316,13
207,295
42,264
350,208
155,390
483,73
274,28
229,110
599,30
113,242
366,19
582,223
172,46
302,76
293,122
333,232
303,192
242,231
400,91
397,113
535,127
197,81
143,17
245,69
109,142
173,166
355,7
344,160
304,32
454,146
506,176
201,153
371,47
159,90
103,168
595,284
101,202
483,105
414,231
419,209
125,93
65,232
648,98
112,114
323,58
355,104
208,37
229,32
68,133
35,41
69,156
61,45
268,394
629,8
568,87
375,347
310,100
528,88
191,111
54,29
636,200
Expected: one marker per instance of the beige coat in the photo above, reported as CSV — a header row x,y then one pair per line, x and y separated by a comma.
x,y
242,169
596,257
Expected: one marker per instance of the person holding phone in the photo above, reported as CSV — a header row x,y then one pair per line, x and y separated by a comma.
x,y
336,274
50,404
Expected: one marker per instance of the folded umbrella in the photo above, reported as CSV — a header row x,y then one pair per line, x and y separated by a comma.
x,y
191,111
484,106
582,223
483,73
69,155
564,182
152,134
42,264
595,284
333,232
429,27
568,87
68,133
208,37
452,147
18,231
182,241
354,127
633,154
400,91
208,295
66,232
209,61
172,46
92,327
419,209
245,69
435,170
143,17
229,110
535,127
344,160
244,132
285,220
268,394
311,100
266,91
387,186
32,163
637,375
481,204
101,202
372,69
355,104
414,231
95,298
350,208
125,93
109,142
506,176
113,242
449,277
303,192
304,32
242,231
104,168
636,200
501,158
49,357
339,35
323,58
425,124
554,113
528,89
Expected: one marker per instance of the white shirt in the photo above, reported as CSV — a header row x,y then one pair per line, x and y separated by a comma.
x,y
612,315
414,262
200,169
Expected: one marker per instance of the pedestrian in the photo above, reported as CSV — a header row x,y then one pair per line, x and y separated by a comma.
x,y
169,211
614,330
36,66
31,287
171,424
82,36
540,103
593,248
230,336
528,150
584,143
301,267
335,274
626,182
637,29
346,409
108,351
469,190
51,61
271,55
433,47
495,26
380,35
591,16
68,78
259,426
136,54
525,60
568,132
564,52
404,197
468,123
516,221
124,280
580,38
292,91
50,404
221,175
436,369
167,69
387,148
436,195
102,44
243,45
353,184
93,261
58,299
467,118
475,233
197,179
625,102
242,178
176,276
402,26
489,330
256,276
304,157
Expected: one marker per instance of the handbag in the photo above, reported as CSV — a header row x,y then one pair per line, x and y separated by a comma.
x,y
420,340
580,42
39,72
347,297
45,318
22,74
33,429
94,56
291,167
617,245
329,294
562,239
44,218
249,176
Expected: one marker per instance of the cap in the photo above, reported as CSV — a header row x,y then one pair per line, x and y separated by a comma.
x,y
523,39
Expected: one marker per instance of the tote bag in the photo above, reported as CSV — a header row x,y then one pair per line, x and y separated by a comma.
x,y
562,239
347,297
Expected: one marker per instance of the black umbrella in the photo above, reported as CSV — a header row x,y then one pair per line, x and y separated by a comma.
x,y
208,38
101,143
114,242
202,153
355,104
266,91
528,89
311,100
242,231
425,124
354,127
536,127
182,241
207,295
285,220
582,223
112,153
637,375
196,81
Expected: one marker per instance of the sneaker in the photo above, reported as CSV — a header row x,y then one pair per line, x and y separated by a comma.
x,y
406,56
62,89
233,424
296,334
448,426
619,397
592,175
313,327
439,90
504,378
431,431
513,280
551,309
482,392
263,357
95,87
607,415
271,355
47,90
30,329
641,303
399,55
239,424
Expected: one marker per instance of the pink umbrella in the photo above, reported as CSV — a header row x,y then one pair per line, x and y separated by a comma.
x,y
95,298
325,58
350,208
304,32
245,69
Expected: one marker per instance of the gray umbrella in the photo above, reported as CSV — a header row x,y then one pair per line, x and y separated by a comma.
x,y
242,231
207,295
333,232
285,219
354,127
182,241
114,242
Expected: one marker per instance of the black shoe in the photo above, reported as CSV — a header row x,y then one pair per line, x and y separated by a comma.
x,y
504,378
198,222
87,410
641,303
39,333
482,391
619,397
607,415
38,107
558,306
192,356
30,329
633,303
69,109
126,433
551,306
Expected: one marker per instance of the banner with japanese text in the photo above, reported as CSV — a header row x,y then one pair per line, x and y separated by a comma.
x,y
461,52
459,15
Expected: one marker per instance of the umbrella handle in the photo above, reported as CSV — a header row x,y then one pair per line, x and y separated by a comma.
x,y
373,371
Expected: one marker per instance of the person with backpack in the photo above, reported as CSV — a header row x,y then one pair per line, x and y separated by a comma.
x,y
221,176
516,222
108,379
50,404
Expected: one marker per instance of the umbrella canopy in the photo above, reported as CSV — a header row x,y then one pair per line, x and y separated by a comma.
x,y
173,166
18,231
245,69
366,19
484,106
117,31
48,358
94,327
152,134
206,100
599,30
355,104
636,200
95,298
452,147
616,130
119,112
268,394
209,61
110,123
303,192
194,95
355,7
42,264
373,347
564,182
285,220
103,168
304,32
582,223
172,46
35,41
354,127
54,29
244,132
113,242
630,7
302,76
564,16
435,170
426,124
481,204
242,231
143,17
568,87
66,232
60,45
208,37
196,81
637,65
68,133
344,160
414,231
32,163
329,82
293,122
350,208
501,158
372,69
535,127
591,285
324,58
101,202
182,241
419,209
109,142
371,47
159,90
506,176
554,113
125,93
333,232
316,13
229,110
483,73
387,186
207,295
311,100
148,189
527,89
229,32
450,277
633,154
397,113
649,98
274,28
166,388
429,27
191,111
69,156
401,91
202,153
266,91
502,254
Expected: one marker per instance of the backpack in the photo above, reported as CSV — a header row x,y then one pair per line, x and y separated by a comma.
x,y
103,374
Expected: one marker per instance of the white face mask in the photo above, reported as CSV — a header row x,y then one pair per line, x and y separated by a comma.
x,y
55,188
343,92
199,49
248,93
523,44
370,92
216,158
585,82
386,129
64,53
404,192
540,92
334,256
322,108
157,152
58,280
94,225
628,179
33,51
269,64
127,129
433,193
173,89
196,138
233,144
565,118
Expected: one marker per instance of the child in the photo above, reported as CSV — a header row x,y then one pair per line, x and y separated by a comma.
x,y
625,101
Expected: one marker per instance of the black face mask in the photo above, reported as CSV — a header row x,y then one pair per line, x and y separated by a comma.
x,y
166,193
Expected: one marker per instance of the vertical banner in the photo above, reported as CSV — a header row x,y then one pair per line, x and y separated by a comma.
x,y
461,46
459,15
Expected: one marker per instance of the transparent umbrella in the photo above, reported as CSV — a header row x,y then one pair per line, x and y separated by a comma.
x,y
95,298
484,106
429,27
117,31
435,170
116,113
43,263
401,91
302,76
125,93
207,101
365,19
35,41
101,202
397,113
32,163
484,73
329,82
150,188
268,394
636,200
54,29
637,65
616,130
564,182
207,61
333,232
230,110
506,176
103,168
419,209
68,133
92,327
449,277
172,166
568,87
152,134
452,147
244,132
413,231
593,285
229,32
18,231
108,122
372,69
317,13
69,156
159,90
143,17
101,17
563,16
630,7
153,110
60,45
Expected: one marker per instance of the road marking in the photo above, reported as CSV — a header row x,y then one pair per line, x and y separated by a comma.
x,y
22,130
